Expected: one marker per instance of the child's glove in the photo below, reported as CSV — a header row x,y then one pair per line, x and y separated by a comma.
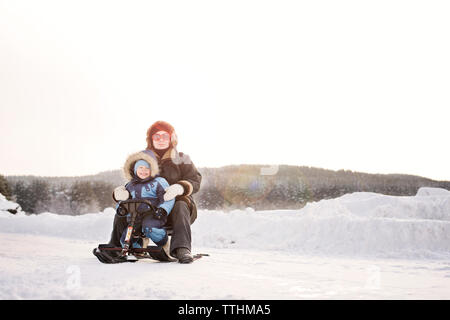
x,y
121,211
121,194
160,213
173,191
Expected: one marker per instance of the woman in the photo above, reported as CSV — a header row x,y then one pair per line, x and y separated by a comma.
x,y
184,180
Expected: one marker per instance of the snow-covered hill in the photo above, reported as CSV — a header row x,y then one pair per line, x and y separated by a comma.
x,y
401,244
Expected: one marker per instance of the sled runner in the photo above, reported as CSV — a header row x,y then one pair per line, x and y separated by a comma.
x,y
107,253
110,254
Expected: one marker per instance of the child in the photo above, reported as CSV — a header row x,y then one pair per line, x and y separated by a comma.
x,y
141,169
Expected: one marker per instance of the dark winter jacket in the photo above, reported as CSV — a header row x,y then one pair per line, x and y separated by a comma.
x,y
177,167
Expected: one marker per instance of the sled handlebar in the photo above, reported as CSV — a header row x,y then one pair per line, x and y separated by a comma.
x,y
132,205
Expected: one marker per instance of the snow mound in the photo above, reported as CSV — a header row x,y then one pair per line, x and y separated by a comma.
x,y
358,224
91,226
425,191
6,205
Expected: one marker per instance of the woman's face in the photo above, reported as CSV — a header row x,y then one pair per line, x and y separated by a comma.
x,y
161,140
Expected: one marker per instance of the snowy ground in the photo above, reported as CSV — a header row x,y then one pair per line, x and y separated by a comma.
x,y
359,246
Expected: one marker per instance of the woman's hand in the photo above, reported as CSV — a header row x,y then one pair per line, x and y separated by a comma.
x,y
173,191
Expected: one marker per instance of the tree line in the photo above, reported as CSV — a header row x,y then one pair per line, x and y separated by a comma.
x,y
229,187
38,195
291,187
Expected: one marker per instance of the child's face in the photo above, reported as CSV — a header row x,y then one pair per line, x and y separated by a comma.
x,y
143,172
161,140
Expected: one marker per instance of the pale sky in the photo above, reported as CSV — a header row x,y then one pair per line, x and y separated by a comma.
x,y
355,85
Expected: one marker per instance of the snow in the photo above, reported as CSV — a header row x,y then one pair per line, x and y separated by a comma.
x,y
7,205
433,192
359,246
358,224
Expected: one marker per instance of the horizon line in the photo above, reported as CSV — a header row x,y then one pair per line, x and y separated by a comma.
x,y
230,165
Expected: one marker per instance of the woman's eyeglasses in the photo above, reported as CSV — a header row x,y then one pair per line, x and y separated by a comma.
x,y
159,137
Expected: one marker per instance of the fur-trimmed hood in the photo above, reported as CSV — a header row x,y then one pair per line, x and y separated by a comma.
x,y
147,155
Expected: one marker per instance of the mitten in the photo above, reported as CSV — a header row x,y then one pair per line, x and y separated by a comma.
x,y
121,194
121,211
173,191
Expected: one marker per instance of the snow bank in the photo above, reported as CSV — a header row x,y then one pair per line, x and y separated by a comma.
x,y
358,224
6,205
92,226
425,191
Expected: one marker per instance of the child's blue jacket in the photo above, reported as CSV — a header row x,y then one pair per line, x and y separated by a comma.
x,y
152,190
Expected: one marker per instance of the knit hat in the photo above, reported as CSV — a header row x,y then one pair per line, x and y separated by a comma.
x,y
161,126
141,163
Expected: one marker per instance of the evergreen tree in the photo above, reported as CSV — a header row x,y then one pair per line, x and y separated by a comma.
x,y
60,201
82,198
103,194
21,191
39,194
4,187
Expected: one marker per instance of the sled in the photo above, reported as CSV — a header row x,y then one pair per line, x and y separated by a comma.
x,y
107,253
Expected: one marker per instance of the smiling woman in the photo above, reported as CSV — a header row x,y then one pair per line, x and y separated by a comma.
x,y
352,85
181,181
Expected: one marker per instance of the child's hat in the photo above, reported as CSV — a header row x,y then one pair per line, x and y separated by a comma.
x,y
141,163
